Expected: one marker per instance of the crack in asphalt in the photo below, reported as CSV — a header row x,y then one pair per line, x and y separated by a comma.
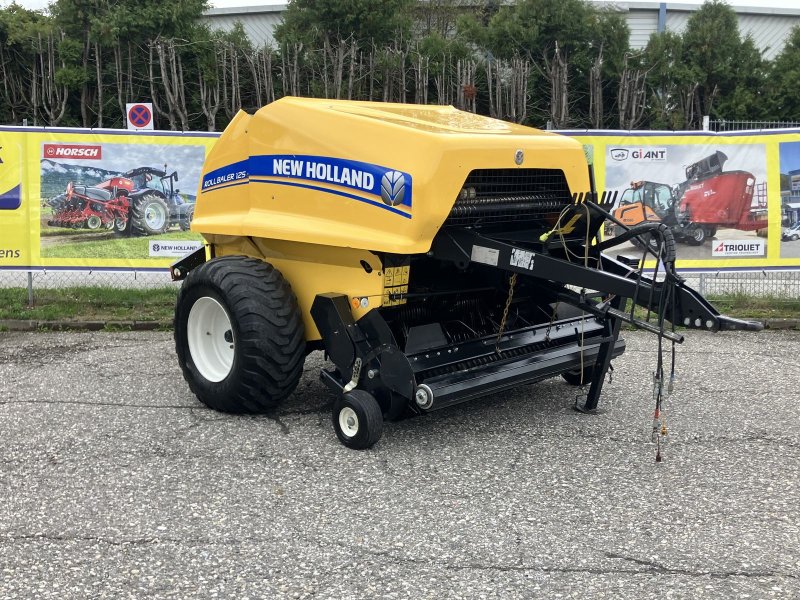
x,y
649,566
655,567
107,404
46,537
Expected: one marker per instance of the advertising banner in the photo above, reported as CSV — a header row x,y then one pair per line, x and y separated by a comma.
x,y
119,200
730,199
114,200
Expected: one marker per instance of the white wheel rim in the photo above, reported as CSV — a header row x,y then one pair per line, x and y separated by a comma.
x,y
93,222
210,337
348,421
154,215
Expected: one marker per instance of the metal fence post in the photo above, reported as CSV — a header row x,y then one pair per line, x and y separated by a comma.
x,y
701,286
30,289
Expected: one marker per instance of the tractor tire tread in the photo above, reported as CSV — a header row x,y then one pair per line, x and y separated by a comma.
x,y
269,329
136,219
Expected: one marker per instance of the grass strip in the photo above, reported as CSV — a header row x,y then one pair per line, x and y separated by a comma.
x,y
89,304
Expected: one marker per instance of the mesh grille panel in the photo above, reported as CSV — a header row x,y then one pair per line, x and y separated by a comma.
x,y
492,196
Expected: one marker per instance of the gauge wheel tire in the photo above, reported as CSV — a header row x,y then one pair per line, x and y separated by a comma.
x,y
239,335
149,215
696,236
357,420
574,377
795,237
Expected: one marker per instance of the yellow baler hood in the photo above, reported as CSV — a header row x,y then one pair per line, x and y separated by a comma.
x,y
366,175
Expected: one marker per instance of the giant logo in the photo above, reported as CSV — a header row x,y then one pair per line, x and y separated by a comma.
x,y
393,188
648,154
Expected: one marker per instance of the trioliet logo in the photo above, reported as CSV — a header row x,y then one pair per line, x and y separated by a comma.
x,y
738,248
72,151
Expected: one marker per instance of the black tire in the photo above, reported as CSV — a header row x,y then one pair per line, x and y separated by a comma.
x,y
265,337
186,221
367,428
121,226
695,235
149,215
574,377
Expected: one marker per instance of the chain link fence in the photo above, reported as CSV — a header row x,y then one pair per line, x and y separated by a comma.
x,y
137,294
724,125
781,286
778,285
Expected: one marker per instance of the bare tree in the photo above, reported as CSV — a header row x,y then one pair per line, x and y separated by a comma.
x,y
157,106
422,66
557,74
467,91
596,91
209,87
98,63
632,95
17,83
232,89
52,95
171,65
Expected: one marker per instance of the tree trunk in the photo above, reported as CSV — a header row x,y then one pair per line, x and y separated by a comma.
x,y
99,71
596,91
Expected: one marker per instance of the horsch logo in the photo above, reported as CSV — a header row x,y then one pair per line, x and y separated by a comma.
x,y
84,151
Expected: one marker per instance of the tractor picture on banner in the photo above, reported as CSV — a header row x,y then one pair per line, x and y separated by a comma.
x,y
713,197
790,199
116,200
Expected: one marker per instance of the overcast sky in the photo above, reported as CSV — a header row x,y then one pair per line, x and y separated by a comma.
x,y
36,4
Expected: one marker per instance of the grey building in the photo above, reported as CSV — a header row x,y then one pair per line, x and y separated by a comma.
x,y
769,27
259,22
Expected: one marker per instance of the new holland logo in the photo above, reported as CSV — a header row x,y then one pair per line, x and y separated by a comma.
x,y
393,188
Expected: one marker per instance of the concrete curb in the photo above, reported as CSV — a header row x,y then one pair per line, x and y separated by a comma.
x,y
782,323
25,325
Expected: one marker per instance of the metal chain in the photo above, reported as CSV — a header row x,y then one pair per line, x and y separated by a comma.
x,y
511,283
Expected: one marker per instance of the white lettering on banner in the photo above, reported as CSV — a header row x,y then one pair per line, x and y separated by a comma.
x,y
739,248
174,249
72,151
639,154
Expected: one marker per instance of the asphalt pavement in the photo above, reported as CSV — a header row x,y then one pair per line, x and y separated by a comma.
x,y
116,483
